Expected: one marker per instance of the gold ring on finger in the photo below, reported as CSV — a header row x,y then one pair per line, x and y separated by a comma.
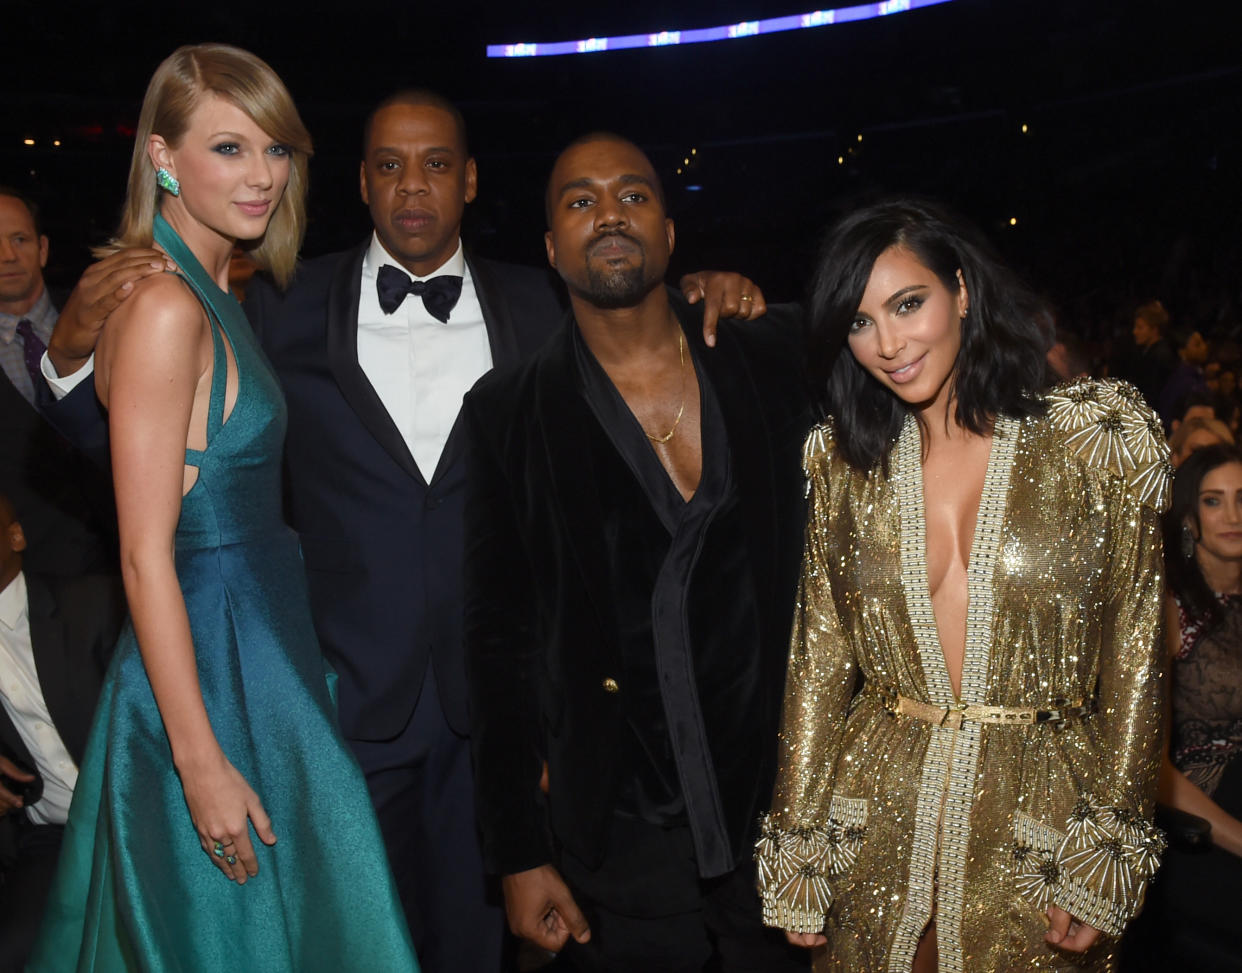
x,y
746,297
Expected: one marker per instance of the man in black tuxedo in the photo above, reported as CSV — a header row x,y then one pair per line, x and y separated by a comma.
x,y
374,347
633,528
65,500
56,636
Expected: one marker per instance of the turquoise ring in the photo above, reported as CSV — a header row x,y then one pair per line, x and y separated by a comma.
x,y
218,850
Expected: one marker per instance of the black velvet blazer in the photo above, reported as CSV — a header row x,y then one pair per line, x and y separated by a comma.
x,y
549,503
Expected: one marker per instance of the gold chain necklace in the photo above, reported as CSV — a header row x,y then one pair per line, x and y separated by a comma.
x,y
681,411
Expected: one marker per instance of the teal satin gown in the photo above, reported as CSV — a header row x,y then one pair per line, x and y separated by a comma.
x,y
135,891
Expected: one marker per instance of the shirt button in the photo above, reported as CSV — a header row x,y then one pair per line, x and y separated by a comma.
x,y
610,685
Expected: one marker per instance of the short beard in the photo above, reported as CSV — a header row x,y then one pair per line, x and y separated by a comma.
x,y
617,287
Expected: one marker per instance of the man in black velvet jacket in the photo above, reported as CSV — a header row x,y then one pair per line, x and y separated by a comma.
x,y
633,525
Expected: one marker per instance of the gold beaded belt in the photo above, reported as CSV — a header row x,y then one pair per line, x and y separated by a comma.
x,y
1060,712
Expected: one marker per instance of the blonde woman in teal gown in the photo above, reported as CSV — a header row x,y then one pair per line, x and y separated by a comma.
x,y
219,821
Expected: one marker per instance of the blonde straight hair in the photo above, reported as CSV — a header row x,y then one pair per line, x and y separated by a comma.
x,y
174,92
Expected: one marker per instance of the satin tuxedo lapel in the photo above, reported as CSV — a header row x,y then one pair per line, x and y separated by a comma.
x,y
570,429
342,346
501,334
502,341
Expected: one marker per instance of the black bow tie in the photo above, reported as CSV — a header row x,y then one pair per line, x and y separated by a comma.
x,y
439,294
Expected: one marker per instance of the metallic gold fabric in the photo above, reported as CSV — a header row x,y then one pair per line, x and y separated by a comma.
x,y
881,820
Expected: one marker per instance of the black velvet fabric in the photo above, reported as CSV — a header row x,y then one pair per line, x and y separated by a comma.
x,y
670,777
555,525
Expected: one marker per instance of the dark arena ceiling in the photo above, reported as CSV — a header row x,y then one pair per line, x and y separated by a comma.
x,y
1096,140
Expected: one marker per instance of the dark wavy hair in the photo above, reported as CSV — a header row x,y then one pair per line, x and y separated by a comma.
x,y
1185,576
1005,335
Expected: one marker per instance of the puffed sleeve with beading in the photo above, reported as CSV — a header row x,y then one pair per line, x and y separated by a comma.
x,y
806,838
1096,864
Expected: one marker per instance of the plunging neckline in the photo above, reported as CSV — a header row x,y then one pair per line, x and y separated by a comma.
x,y
980,568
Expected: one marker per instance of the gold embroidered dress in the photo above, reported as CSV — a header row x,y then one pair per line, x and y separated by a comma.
x,y
880,818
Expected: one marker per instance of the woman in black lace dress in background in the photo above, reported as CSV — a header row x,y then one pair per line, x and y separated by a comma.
x,y
1196,892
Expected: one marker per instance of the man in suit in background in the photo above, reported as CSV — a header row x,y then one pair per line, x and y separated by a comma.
x,y
374,347
56,636
65,500
633,526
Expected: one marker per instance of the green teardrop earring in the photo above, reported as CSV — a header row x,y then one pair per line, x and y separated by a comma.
x,y
167,181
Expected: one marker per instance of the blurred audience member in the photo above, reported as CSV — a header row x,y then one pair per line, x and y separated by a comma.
x,y
65,501
1195,433
1200,404
1151,360
1187,378
55,638
1228,382
241,268
1194,898
1211,376
1067,358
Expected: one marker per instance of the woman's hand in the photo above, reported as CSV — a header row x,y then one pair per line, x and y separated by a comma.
x,y
221,803
808,940
1068,933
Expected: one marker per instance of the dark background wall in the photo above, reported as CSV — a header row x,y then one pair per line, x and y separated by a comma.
x,y
1126,183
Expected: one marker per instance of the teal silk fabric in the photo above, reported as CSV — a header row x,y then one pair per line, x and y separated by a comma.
x,y
135,891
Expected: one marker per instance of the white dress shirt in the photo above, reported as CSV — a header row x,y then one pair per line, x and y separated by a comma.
x,y
22,697
63,386
420,367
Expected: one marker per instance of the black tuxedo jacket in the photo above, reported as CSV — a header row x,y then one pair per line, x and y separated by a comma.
x,y
74,624
382,540
63,500
550,504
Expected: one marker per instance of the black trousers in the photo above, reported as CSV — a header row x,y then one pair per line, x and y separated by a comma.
x,y
23,889
650,911
422,787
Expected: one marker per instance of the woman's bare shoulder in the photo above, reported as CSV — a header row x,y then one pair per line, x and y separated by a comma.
x,y
162,308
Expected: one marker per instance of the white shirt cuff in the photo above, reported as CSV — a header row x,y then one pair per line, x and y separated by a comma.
x,y
63,386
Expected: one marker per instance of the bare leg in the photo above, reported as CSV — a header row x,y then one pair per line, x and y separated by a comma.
x,y
927,957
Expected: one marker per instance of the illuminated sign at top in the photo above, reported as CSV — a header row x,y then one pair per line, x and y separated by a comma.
x,y
726,32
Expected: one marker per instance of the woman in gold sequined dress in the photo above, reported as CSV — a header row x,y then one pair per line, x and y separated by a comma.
x,y
972,724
